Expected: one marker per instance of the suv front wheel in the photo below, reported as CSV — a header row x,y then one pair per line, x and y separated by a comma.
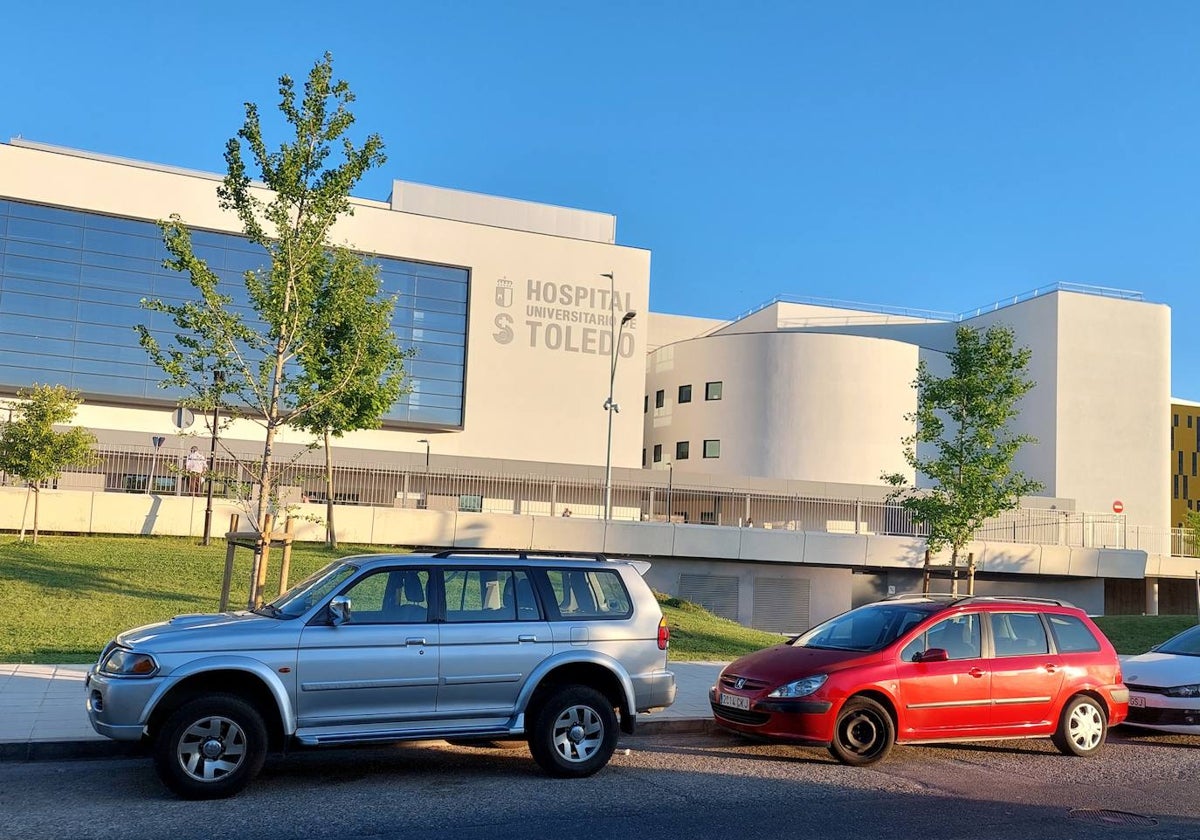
x,y
210,747
574,732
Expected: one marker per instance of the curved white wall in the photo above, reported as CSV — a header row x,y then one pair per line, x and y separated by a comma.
x,y
804,406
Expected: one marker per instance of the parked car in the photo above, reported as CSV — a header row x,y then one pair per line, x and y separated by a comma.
x,y
923,669
557,650
1164,685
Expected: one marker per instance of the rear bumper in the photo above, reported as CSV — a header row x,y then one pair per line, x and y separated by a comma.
x,y
653,690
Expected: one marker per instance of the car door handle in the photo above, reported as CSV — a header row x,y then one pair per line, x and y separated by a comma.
x,y
976,672
1051,668
414,641
526,638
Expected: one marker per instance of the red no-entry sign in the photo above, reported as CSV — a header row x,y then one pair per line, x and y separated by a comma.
x,y
1118,506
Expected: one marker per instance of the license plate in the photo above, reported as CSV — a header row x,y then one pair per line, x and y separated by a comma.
x,y
735,701
1137,702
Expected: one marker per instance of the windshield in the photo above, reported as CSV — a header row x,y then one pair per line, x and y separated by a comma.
x,y
869,628
1186,643
304,595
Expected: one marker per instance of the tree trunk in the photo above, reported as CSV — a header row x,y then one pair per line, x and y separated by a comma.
x,y
37,496
266,476
330,534
971,573
954,572
925,580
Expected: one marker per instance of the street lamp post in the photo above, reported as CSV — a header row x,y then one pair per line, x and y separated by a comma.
x,y
609,405
218,380
425,503
670,484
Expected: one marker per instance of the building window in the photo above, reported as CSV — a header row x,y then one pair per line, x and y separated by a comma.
x,y
657,452
660,398
1193,463
712,449
685,393
1176,421
712,390
1175,489
681,450
643,456
645,403
1189,421
1180,469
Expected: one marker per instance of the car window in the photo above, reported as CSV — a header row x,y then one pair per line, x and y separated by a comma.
x,y
396,596
581,594
959,636
866,628
1018,634
1071,635
1186,643
490,595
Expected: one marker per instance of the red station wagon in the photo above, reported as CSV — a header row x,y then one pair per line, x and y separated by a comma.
x,y
924,669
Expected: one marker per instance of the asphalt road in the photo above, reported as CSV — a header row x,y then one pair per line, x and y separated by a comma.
x,y
676,787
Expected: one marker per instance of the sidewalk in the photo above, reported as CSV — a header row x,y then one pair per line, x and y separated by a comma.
x,y
42,714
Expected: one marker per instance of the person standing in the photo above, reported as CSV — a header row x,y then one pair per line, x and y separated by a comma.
x,y
195,465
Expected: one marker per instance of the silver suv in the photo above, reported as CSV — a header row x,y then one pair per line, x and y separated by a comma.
x,y
557,650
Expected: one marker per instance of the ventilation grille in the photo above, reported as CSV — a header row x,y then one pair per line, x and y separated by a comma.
x,y
716,593
781,604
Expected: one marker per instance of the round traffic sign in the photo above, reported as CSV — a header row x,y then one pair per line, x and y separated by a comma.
x,y
1118,506
183,418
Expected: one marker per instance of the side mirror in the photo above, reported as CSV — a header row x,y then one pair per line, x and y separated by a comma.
x,y
932,655
339,610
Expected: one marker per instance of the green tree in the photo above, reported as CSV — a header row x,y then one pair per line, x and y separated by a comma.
x,y
963,419
356,356
292,220
32,450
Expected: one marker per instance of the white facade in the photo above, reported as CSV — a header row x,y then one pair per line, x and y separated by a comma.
x,y
537,366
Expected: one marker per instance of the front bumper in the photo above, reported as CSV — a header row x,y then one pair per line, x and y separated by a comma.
x,y
800,721
117,706
1180,715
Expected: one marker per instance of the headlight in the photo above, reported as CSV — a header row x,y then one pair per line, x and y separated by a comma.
x,y
126,663
1183,691
800,688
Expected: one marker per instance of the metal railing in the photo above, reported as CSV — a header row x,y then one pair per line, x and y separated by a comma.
x,y
302,479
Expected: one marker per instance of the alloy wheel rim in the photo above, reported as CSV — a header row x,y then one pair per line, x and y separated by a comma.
x,y
1086,726
578,733
211,748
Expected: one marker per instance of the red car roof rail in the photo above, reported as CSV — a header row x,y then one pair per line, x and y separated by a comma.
x,y
960,599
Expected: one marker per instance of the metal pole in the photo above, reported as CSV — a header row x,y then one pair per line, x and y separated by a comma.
x,y
425,489
670,487
608,405
218,378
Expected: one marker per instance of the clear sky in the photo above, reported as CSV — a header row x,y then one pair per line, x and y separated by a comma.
x,y
934,155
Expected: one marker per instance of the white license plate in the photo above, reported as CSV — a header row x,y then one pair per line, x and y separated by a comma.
x,y
735,701
1137,702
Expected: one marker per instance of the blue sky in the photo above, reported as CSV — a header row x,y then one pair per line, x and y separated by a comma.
x,y
934,155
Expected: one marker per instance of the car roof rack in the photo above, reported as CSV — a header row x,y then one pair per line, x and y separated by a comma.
x,y
959,599
521,554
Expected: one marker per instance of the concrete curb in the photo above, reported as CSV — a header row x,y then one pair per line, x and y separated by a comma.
x,y
93,748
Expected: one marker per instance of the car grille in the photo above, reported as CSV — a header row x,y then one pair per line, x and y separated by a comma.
x,y
1164,717
739,716
1145,689
730,680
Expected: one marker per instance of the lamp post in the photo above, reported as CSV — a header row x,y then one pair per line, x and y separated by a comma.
x,y
425,503
218,381
670,484
609,405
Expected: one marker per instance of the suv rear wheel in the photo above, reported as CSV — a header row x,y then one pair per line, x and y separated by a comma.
x,y
1082,727
210,747
574,733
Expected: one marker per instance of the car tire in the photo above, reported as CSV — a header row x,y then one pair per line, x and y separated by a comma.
x,y
863,733
210,747
574,732
1082,727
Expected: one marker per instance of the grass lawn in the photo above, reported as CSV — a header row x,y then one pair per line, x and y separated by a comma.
x,y
698,634
1134,634
63,599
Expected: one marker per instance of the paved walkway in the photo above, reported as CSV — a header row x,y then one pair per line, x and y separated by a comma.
x,y
42,711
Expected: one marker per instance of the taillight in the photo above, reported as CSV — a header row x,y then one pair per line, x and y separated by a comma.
x,y
664,634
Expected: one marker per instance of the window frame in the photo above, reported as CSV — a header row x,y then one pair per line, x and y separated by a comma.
x,y
682,450
705,447
709,390
684,396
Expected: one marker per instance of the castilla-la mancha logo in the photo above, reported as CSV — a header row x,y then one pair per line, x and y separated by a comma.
x,y
504,293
